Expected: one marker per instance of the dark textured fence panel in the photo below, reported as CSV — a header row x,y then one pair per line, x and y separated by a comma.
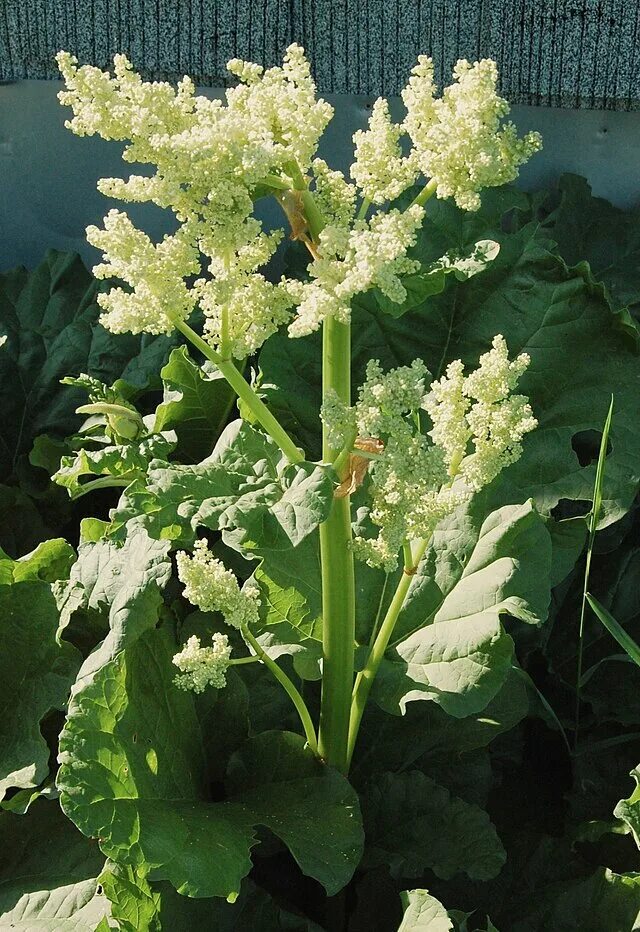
x,y
571,53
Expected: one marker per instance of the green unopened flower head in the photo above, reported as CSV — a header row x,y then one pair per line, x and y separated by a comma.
x,y
213,588
203,666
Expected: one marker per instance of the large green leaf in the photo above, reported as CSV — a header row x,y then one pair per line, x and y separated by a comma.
x,y
36,674
450,646
423,913
581,353
432,278
48,873
628,810
426,735
412,823
588,228
132,774
245,488
604,902
138,905
118,590
123,462
196,405
50,561
310,806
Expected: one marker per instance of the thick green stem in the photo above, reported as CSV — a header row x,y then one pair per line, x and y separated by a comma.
x,y
364,207
288,686
244,391
428,191
105,482
338,576
364,679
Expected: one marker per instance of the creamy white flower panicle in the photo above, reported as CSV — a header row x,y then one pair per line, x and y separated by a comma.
x,y
241,307
418,479
419,100
213,588
282,102
154,272
372,253
497,419
447,406
480,409
385,398
380,170
457,139
209,156
409,496
203,666
211,159
334,197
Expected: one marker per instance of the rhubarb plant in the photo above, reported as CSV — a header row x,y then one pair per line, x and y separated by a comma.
x,y
269,599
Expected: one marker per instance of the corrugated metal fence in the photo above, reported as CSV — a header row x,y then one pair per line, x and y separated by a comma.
x,y
568,53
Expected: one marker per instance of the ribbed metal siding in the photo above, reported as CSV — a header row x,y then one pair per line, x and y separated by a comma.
x,y
569,53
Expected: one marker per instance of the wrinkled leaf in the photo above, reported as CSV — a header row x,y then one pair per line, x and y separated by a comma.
x,y
449,645
36,674
196,404
628,810
48,873
49,562
588,228
121,462
423,913
132,774
412,823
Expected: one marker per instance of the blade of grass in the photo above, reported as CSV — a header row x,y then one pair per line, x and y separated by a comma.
x,y
593,524
545,703
615,629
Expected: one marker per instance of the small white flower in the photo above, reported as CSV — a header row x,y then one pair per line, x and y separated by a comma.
x,y
380,170
458,138
203,666
213,588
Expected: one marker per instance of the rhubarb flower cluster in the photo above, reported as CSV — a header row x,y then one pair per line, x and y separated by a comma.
x,y
480,408
213,588
203,666
380,169
418,478
211,159
371,254
457,140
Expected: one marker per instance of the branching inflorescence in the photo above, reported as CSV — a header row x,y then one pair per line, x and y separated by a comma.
x,y
430,443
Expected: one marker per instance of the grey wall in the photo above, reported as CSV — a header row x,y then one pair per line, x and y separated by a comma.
x,y
48,176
